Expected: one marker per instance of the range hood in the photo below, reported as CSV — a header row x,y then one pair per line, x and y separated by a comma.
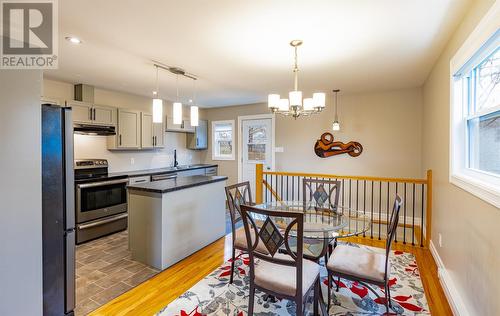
x,y
85,93
89,129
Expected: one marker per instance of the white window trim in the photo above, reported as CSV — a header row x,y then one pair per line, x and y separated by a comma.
x,y
214,156
481,184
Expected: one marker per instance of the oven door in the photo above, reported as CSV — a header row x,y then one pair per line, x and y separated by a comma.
x,y
100,199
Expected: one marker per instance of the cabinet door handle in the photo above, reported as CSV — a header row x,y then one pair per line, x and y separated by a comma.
x,y
94,113
120,137
90,114
182,124
196,141
154,140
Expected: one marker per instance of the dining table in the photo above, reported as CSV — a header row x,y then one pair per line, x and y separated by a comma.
x,y
324,224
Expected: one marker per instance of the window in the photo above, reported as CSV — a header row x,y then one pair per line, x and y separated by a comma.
x,y
475,114
223,140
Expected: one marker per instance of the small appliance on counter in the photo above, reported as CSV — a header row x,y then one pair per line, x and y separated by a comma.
x,y
101,200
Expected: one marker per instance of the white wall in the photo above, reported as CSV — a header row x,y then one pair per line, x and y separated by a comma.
x,y
469,226
20,193
388,125
95,146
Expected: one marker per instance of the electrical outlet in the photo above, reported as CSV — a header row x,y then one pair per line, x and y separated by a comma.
x,y
440,240
132,161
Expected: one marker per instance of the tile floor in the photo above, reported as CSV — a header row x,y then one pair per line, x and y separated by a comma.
x,y
105,270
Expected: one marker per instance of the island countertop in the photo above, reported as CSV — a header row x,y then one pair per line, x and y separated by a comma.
x,y
176,184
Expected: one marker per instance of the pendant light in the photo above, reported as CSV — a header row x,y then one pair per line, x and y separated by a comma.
x,y
295,105
336,123
194,108
157,103
177,106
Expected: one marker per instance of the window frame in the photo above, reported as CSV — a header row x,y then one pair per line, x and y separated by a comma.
x,y
482,184
233,151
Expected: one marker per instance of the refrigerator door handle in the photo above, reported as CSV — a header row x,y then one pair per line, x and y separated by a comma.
x,y
69,169
70,271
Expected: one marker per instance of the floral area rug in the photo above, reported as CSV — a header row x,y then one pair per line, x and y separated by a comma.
x,y
215,296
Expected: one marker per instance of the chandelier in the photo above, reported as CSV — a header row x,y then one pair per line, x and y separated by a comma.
x,y
295,106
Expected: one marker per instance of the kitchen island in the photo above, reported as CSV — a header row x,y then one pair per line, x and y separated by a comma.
x,y
171,219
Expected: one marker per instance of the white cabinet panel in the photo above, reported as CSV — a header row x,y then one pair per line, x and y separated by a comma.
x,y
105,115
147,137
129,133
82,112
159,135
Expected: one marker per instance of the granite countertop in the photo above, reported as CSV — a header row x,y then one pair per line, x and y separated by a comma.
x,y
176,184
138,173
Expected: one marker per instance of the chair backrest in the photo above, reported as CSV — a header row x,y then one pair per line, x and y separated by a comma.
x,y
274,236
391,229
325,193
236,195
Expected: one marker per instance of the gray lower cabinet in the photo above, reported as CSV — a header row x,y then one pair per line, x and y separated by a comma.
x,y
199,139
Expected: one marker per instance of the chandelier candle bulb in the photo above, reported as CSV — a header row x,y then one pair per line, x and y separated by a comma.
x,y
177,113
319,99
308,104
157,110
283,105
295,98
194,115
273,101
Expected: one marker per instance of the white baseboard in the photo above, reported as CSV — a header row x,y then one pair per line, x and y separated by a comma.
x,y
454,298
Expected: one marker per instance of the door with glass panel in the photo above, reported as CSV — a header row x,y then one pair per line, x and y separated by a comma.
x,y
257,146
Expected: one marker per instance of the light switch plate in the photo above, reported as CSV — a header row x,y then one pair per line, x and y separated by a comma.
x,y
279,149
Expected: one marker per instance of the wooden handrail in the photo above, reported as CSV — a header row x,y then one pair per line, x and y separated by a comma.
x,y
320,175
423,236
428,229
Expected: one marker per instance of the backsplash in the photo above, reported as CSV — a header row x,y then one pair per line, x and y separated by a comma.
x,y
87,147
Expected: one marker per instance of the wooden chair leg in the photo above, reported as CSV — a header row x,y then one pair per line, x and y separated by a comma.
x,y
389,295
387,298
251,298
330,280
300,306
232,266
316,297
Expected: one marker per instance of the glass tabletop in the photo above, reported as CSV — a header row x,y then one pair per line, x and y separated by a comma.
x,y
320,221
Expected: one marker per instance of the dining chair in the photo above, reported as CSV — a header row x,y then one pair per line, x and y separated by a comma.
x,y
325,194
237,195
284,275
364,266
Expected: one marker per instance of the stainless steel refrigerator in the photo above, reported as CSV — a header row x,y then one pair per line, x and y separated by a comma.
x,y
58,211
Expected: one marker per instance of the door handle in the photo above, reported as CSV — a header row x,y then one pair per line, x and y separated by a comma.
x,y
120,139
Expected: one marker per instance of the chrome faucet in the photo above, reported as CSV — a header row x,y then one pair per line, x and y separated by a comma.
x,y
176,163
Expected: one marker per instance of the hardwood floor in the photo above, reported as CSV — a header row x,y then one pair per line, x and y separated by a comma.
x,y
154,294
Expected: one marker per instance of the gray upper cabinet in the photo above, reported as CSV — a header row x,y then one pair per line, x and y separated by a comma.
x,y
103,114
129,131
86,113
199,139
151,133
82,112
184,127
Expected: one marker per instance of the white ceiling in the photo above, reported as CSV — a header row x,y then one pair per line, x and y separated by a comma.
x,y
239,48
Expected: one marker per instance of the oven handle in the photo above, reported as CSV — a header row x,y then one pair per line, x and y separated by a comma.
x,y
104,221
98,184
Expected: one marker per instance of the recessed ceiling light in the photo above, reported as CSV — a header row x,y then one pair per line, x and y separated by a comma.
x,y
74,40
155,93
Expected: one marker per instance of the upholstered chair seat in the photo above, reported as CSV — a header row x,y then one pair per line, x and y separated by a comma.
x,y
357,262
240,241
281,279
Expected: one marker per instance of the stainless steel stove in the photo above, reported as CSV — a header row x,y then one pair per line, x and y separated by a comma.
x,y
101,200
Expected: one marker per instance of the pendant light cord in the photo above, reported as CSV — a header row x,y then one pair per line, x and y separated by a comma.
x,y
157,85
296,71
177,86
